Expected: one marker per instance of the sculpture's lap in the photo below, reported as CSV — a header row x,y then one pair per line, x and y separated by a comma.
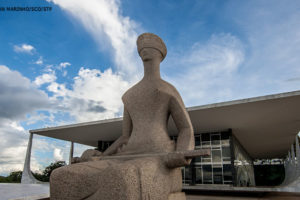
x,y
145,178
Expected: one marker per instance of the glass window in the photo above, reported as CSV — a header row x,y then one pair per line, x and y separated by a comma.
x,y
206,159
197,140
205,144
199,175
207,174
226,152
215,139
188,175
225,142
227,172
198,159
224,135
205,137
217,172
216,155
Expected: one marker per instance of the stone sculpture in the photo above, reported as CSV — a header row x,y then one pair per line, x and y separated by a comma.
x,y
147,108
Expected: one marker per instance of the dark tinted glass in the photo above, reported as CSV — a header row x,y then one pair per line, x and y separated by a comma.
x,y
205,137
217,175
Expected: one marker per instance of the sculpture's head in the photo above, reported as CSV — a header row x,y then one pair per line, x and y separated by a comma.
x,y
150,46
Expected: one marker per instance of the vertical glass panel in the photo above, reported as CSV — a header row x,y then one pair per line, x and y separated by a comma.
x,y
188,175
205,137
226,152
199,175
198,159
227,172
216,156
215,139
207,174
217,172
205,144
225,142
197,140
206,159
224,135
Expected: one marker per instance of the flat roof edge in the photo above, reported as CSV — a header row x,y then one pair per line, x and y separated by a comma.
x,y
77,125
193,108
247,100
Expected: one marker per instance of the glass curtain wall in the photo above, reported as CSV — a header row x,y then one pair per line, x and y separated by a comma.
x,y
213,169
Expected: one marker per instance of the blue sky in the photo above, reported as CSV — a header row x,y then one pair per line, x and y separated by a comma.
x,y
73,63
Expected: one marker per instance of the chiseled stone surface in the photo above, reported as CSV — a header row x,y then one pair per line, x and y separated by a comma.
x,y
147,108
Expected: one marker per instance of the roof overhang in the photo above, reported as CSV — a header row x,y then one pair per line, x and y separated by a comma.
x,y
265,126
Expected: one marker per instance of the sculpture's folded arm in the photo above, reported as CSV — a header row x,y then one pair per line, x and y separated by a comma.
x,y
127,128
185,140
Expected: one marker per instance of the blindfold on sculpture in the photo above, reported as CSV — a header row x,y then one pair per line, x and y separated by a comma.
x,y
152,41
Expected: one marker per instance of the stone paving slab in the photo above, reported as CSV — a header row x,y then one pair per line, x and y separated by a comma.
x,y
17,191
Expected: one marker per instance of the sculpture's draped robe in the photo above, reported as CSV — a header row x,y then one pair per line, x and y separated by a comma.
x,y
143,178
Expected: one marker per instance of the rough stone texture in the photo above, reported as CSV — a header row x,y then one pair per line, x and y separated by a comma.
x,y
177,196
147,108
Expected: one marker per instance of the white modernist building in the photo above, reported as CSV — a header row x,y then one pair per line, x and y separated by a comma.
x,y
237,132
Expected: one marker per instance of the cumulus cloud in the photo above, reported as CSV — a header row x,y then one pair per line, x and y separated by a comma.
x,y
45,78
24,48
57,154
18,95
13,145
104,21
94,95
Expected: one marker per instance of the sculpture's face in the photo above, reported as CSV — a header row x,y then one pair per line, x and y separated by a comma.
x,y
150,54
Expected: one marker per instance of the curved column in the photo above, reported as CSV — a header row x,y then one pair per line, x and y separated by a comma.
x,y
298,156
27,177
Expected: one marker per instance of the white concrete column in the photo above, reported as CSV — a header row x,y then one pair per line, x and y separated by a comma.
x,y
298,155
71,153
27,177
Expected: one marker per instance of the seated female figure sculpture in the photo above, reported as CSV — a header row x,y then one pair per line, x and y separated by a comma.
x,y
147,108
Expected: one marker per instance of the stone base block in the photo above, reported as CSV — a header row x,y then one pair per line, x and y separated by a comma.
x,y
177,196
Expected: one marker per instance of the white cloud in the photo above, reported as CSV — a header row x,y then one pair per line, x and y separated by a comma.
x,y
104,21
18,95
94,95
24,48
13,145
57,154
63,65
39,61
204,73
45,78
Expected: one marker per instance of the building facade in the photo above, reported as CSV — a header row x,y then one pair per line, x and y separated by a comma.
x,y
228,164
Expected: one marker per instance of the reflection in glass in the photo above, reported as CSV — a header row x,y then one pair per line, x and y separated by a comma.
x,y
198,175
225,142
216,155
226,152
187,174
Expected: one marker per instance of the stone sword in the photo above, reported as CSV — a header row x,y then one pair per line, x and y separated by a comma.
x,y
187,154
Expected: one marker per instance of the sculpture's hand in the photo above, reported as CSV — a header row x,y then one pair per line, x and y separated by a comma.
x,y
75,160
176,159
87,155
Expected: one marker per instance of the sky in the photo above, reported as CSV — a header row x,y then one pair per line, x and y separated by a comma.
x,y
72,64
